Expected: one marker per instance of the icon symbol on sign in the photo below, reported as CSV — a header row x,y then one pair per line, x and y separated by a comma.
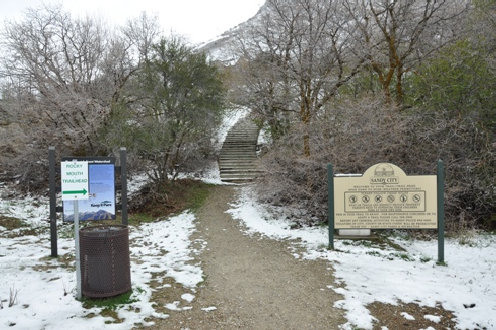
x,y
390,198
416,198
365,198
403,198
353,199
378,199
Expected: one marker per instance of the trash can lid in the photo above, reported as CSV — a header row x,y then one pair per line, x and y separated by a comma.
x,y
103,230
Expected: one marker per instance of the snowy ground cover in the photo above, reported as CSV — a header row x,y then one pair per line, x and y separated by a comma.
x,y
38,292
41,290
366,273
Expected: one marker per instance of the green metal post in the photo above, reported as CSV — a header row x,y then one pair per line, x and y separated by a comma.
x,y
440,211
123,156
330,203
53,201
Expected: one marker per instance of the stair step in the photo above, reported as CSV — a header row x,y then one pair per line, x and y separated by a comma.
x,y
237,165
242,148
241,171
238,154
237,177
238,159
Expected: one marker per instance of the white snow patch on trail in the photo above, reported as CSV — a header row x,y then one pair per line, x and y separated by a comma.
x,y
407,316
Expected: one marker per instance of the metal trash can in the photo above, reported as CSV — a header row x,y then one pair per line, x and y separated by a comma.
x,y
105,267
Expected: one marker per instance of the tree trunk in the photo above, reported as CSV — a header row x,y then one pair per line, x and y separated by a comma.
x,y
306,144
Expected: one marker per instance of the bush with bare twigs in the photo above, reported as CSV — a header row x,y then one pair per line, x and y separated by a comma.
x,y
354,135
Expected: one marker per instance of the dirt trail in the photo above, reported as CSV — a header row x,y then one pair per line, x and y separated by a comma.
x,y
254,283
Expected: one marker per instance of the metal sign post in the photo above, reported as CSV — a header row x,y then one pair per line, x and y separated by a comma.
x,y
330,203
78,252
75,186
440,213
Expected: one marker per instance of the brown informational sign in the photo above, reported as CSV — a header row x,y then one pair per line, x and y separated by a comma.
x,y
384,197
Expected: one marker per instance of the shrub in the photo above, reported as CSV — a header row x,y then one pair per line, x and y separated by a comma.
x,y
354,135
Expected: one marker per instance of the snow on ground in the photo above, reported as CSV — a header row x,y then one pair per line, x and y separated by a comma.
x,y
366,272
44,288
210,175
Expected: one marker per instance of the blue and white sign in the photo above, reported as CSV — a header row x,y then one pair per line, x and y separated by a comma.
x,y
101,202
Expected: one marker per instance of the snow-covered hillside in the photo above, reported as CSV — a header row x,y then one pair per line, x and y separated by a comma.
x,y
221,49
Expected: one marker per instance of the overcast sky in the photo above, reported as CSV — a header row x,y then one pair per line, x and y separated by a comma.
x,y
197,20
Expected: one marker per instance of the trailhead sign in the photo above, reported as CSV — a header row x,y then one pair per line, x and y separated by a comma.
x,y
100,204
74,180
384,197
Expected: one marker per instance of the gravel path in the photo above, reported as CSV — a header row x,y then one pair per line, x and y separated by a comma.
x,y
253,282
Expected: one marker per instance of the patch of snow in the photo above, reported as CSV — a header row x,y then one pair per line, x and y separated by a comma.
x,y
231,117
173,306
209,309
370,274
212,174
433,318
136,182
188,297
407,316
171,235
45,287
33,210
264,137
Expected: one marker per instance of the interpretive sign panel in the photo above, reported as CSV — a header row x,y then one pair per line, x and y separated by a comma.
x,y
74,180
101,202
384,197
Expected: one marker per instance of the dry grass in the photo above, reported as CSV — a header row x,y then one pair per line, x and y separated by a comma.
x,y
389,316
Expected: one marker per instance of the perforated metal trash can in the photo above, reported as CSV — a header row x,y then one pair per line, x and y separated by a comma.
x,y
105,268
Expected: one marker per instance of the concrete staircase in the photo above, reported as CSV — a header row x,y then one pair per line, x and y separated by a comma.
x,y
238,158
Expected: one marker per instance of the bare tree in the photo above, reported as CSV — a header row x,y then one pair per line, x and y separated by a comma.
x,y
59,61
141,33
394,35
63,77
299,56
